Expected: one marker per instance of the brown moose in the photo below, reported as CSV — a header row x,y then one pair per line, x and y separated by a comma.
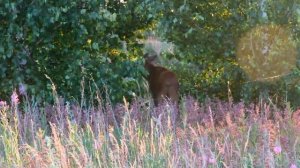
x,y
163,83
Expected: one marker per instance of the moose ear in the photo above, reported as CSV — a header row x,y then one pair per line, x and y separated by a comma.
x,y
146,55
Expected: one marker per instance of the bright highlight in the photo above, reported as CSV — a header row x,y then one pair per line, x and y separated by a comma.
x,y
267,52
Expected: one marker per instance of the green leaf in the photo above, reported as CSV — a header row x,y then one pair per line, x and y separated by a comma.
x,y
95,46
82,11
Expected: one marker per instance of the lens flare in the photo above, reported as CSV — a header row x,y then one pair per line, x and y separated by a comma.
x,y
267,52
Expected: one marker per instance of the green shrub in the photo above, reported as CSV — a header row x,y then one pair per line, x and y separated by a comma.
x,y
70,41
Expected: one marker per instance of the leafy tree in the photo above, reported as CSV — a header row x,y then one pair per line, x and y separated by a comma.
x,y
71,41
207,34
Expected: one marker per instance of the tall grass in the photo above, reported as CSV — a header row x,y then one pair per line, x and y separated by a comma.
x,y
211,134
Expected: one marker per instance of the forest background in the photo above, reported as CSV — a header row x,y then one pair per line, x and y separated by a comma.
x,y
245,50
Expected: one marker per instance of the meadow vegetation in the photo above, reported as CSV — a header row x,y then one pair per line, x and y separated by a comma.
x,y
136,134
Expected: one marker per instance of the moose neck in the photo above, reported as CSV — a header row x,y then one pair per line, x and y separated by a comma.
x,y
149,66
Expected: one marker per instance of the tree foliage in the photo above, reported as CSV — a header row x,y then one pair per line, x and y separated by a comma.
x,y
92,45
207,35
71,42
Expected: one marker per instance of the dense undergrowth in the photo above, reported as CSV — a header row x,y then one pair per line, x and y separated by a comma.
x,y
211,134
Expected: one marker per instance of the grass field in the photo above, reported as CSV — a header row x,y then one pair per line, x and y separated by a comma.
x,y
211,134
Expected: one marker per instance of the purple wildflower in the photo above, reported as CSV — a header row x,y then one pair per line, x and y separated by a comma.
x,y
22,89
14,98
2,103
277,150
97,145
211,160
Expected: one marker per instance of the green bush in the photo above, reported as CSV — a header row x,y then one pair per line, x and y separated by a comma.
x,y
70,41
212,36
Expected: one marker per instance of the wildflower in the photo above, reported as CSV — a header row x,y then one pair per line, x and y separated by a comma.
x,y
2,103
22,89
211,160
14,98
97,145
277,150
293,166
